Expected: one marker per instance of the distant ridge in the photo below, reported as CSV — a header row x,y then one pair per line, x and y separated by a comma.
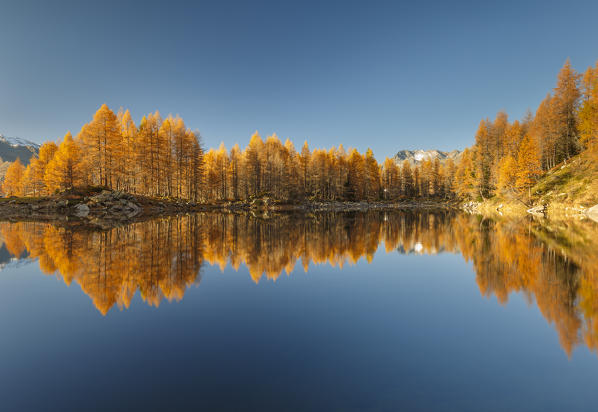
x,y
417,156
13,147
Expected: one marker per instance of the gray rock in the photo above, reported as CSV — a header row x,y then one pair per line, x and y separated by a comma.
x,y
132,209
81,210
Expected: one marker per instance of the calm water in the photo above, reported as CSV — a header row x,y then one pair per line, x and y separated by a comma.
x,y
349,312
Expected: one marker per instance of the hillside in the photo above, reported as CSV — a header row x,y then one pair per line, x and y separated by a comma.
x,y
12,147
568,190
570,187
417,156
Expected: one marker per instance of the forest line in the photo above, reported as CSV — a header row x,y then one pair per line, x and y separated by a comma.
x,y
508,159
161,157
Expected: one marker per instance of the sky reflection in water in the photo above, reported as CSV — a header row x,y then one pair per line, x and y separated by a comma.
x,y
395,310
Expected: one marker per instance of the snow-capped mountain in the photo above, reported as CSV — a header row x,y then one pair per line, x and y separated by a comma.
x,y
418,156
17,141
13,147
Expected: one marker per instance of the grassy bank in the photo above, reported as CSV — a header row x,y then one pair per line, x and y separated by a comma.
x,y
565,192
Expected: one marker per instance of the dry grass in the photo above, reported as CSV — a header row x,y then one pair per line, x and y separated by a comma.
x,y
570,185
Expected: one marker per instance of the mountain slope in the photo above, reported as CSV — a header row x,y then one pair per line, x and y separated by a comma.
x,y
13,147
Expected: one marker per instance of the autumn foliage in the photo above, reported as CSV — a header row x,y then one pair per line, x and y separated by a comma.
x,y
163,257
163,158
509,158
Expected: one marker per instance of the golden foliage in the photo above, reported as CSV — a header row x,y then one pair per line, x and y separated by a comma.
x,y
161,258
12,185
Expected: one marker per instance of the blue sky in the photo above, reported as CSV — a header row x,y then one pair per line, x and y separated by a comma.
x,y
386,75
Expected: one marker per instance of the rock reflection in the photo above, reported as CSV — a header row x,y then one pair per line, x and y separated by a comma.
x,y
554,266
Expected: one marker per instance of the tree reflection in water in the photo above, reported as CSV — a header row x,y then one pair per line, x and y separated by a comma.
x,y
555,267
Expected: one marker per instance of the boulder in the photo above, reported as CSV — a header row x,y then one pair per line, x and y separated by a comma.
x,y
81,210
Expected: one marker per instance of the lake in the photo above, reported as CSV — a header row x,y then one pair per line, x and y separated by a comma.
x,y
377,311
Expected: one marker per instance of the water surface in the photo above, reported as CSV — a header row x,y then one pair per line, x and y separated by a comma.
x,y
358,311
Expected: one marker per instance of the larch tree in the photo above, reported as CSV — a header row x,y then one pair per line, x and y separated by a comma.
x,y
151,155
45,155
465,175
372,170
390,179
356,178
13,179
304,166
102,140
529,167
407,180
566,96
66,169
234,172
588,112
27,187
253,164
127,165
507,174
483,159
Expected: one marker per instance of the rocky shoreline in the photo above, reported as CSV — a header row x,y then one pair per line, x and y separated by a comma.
x,y
552,210
117,206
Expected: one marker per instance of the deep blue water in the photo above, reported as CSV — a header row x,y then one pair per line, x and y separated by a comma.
x,y
404,332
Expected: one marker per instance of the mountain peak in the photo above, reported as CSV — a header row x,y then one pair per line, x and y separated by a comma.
x,y
13,147
17,141
418,156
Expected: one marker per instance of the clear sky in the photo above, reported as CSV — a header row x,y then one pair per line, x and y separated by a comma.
x,y
386,75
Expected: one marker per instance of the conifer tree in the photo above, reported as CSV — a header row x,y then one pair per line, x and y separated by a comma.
x,y
253,165
566,102
27,187
45,155
66,169
102,140
304,164
372,170
127,162
588,112
483,159
528,164
507,174
12,179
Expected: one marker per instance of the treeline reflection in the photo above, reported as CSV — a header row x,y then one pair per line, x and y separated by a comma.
x,y
557,268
